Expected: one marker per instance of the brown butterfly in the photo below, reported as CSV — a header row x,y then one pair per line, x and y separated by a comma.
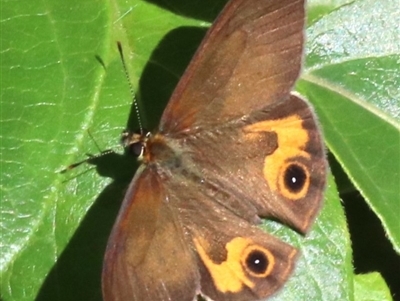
x,y
234,144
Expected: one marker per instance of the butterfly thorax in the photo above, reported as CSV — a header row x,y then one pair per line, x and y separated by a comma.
x,y
158,149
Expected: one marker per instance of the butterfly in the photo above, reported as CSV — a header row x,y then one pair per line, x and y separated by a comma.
x,y
234,145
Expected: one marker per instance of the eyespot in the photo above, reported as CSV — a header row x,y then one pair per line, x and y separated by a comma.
x,y
258,261
294,180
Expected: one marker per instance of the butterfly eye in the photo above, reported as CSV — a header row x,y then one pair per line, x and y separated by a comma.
x,y
137,149
135,142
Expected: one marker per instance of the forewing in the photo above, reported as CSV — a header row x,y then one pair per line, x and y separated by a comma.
x,y
250,57
147,257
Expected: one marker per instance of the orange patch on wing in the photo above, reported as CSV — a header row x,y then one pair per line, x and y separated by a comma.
x,y
231,274
292,140
228,276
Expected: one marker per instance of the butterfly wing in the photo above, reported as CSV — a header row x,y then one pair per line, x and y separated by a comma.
x,y
147,257
273,161
250,57
236,259
247,65
234,146
269,164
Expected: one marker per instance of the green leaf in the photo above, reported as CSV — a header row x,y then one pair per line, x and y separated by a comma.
x,y
353,80
48,86
54,227
371,287
324,270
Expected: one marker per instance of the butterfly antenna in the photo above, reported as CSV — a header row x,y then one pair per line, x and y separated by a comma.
x,y
121,53
90,157
94,141
87,160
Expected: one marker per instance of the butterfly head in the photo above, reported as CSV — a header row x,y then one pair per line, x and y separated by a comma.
x,y
135,142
